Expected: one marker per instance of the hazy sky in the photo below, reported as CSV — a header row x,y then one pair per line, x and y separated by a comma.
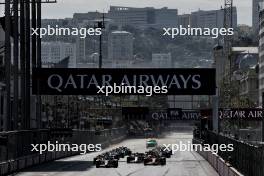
x,y
66,8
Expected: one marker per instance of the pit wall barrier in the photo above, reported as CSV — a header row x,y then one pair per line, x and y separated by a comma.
x,y
105,138
221,166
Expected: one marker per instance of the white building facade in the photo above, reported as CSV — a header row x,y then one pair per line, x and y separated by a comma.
x,y
120,46
54,52
143,17
211,18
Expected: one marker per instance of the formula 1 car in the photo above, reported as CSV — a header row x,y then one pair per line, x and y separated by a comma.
x,y
136,158
151,143
123,151
120,152
165,152
106,162
99,157
126,151
154,158
115,154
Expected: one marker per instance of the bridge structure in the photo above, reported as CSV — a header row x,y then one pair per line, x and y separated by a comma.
x,y
107,121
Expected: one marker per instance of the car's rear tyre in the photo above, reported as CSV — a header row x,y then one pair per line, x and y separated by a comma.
x,y
128,160
116,165
163,161
145,162
97,165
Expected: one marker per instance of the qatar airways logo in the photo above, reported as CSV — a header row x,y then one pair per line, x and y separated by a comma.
x,y
59,83
70,81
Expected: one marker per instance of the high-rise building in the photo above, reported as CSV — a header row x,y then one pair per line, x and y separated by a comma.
x,y
184,20
120,46
211,18
165,17
255,15
54,52
143,17
80,17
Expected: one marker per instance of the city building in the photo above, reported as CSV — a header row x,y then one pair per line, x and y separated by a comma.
x,y
255,15
239,70
81,50
244,68
120,46
184,20
249,85
54,52
143,17
165,17
211,18
88,46
161,60
80,17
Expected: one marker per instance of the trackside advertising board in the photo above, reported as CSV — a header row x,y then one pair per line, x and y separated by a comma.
x,y
71,81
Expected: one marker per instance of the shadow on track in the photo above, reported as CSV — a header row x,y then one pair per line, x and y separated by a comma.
x,y
61,166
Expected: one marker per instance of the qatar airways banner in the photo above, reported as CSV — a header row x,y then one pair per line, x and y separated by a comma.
x,y
241,113
87,81
176,114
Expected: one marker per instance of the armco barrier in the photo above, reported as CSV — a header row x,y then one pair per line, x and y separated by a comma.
x,y
247,158
12,165
21,163
42,158
106,138
234,172
222,167
4,168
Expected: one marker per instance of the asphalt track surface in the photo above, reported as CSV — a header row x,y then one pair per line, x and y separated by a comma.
x,y
184,163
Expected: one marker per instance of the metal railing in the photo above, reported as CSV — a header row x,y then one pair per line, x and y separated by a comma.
x,y
16,144
246,158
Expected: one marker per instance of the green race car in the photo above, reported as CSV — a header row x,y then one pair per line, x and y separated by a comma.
x,y
151,143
